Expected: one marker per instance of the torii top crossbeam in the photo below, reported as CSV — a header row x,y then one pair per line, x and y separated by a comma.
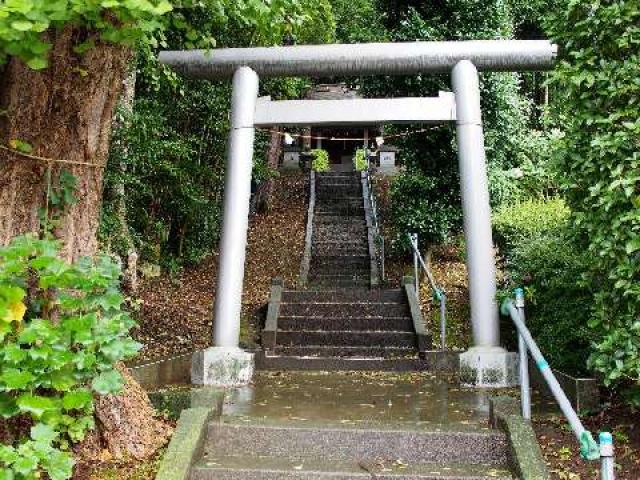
x,y
364,59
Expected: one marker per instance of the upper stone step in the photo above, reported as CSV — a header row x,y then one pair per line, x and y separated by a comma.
x,y
443,446
361,296
345,310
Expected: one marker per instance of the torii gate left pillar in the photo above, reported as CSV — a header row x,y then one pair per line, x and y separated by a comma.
x,y
486,363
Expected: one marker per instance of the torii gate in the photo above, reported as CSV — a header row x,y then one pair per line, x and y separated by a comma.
x,y
225,362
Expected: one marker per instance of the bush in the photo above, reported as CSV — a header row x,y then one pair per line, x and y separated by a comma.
x,y
598,80
425,205
360,160
516,224
549,265
61,332
320,162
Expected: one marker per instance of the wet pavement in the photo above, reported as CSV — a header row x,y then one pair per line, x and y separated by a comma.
x,y
359,398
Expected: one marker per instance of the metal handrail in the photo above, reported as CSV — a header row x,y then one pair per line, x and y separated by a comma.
x,y
439,294
374,216
589,448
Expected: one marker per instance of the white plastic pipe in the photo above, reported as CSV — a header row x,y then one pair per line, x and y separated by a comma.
x,y
237,194
364,59
475,206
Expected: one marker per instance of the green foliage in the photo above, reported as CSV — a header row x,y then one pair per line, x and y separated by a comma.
x,y
432,155
600,111
61,332
426,205
549,266
360,160
169,155
358,21
517,223
320,162
22,23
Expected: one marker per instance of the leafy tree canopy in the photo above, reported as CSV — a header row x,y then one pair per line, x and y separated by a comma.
x,y
25,24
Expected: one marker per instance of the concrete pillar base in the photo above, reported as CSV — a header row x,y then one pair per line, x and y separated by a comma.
x,y
222,366
489,367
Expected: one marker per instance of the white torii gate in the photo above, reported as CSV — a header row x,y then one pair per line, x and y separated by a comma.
x,y
489,364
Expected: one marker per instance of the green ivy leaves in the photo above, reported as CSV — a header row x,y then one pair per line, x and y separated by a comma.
x,y
57,351
23,21
598,78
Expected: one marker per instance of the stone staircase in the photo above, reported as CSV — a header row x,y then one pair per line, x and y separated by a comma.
x,y
339,323
340,256
352,426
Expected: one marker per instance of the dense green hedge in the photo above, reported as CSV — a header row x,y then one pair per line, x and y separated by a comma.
x,y
515,224
600,113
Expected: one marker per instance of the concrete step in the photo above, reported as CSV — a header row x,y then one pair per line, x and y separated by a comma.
x,y
346,188
350,272
324,175
245,467
369,324
337,220
346,351
346,310
339,210
347,338
341,261
323,283
339,248
362,296
277,362
450,445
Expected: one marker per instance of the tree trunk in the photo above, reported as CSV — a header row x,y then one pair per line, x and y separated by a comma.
x,y
265,194
65,112
123,120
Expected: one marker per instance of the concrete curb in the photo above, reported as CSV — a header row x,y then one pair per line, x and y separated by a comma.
x,y
425,339
190,434
373,256
273,312
526,456
306,257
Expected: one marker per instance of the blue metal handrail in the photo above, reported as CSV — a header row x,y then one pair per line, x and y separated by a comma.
x,y
589,448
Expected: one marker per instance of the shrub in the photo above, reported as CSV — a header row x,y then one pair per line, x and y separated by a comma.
x,y
598,80
320,162
61,332
549,265
517,223
425,205
360,160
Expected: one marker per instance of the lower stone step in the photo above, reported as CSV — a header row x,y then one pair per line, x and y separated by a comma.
x,y
346,351
337,364
347,338
382,324
244,467
333,283
440,445
354,296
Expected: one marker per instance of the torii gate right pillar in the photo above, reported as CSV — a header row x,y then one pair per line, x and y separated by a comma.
x,y
486,363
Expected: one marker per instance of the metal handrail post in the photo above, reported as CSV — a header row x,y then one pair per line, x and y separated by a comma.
x,y
416,278
443,320
382,256
607,471
525,391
